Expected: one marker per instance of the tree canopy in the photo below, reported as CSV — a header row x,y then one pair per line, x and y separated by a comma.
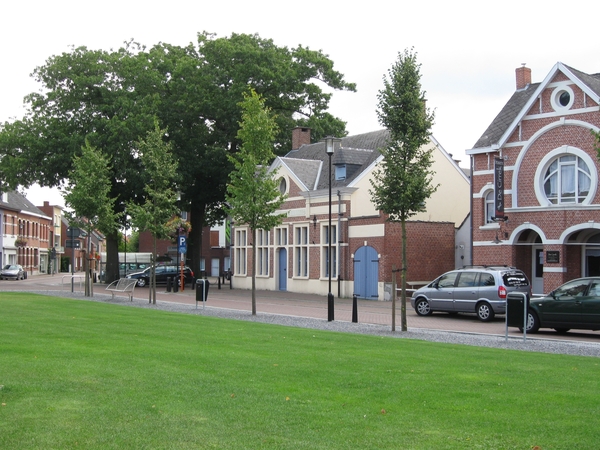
x,y
111,98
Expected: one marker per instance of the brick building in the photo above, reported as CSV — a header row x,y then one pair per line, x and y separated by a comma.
x,y
294,255
25,233
550,223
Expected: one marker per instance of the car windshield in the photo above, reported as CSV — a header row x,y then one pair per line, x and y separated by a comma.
x,y
9,267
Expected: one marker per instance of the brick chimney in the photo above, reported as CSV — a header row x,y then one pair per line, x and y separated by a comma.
x,y
300,137
523,77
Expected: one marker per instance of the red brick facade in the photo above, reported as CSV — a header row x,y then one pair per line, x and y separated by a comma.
x,y
543,131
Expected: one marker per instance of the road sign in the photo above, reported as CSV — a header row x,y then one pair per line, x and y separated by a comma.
x,y
73,243
182,244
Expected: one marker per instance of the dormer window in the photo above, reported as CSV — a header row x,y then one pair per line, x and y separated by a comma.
x,y
340,172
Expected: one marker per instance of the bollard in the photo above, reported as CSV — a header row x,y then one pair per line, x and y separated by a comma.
x,y
354,309
175,285
219,283
169,281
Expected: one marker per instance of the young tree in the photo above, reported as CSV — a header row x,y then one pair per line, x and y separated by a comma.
x,y
404,180
253,195
160,204
88,194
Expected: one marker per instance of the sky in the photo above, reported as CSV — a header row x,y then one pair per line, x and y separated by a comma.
x,y
468,50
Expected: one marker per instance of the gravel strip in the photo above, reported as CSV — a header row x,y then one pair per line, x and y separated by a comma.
x,y
480,340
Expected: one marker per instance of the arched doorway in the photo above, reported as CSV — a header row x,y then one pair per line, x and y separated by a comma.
x,y
366,273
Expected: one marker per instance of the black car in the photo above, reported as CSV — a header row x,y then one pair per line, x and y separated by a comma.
x,y
575,304
162,273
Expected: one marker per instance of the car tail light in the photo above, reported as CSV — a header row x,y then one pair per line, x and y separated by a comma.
x,y
502,292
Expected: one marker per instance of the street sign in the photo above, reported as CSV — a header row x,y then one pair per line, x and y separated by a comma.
x,y
181,244
73,243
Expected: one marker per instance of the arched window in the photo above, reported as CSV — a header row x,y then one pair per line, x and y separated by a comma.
x,y
490,208
567,180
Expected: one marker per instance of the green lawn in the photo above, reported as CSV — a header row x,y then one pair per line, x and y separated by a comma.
x,y
77,374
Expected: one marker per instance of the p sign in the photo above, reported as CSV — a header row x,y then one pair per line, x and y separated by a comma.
x,y
182,244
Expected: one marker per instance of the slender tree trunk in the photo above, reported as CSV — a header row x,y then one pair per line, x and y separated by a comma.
x,y
393,297
153,274
253,271
403,279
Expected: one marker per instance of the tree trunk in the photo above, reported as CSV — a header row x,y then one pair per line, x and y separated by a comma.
x,y
393,297
403,279
197,222
111,271
253,272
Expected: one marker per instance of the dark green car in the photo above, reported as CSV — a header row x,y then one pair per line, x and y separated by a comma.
x,y
575,304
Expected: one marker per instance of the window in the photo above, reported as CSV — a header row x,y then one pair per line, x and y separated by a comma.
x,y
301,251
262,252
490,207
281,236
340,172
282,185
240,252
562,98
325,251
567,180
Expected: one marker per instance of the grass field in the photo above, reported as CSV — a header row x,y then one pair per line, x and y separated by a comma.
x,y
77,374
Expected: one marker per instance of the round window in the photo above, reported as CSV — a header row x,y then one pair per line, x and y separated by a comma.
x,y
562,98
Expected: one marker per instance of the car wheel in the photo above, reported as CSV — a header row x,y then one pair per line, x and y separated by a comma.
x,y
422,307
533,323
485,313
562,330
141,282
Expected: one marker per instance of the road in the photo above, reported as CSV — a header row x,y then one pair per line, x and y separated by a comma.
x,y
308,305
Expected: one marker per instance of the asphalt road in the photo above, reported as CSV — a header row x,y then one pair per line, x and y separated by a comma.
x,y
306,305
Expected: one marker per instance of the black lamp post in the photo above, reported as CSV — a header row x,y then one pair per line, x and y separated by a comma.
x,y
330,141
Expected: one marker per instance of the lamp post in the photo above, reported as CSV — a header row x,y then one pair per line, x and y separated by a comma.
x,y
330,142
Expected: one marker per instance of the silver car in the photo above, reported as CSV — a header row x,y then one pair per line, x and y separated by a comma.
x,y
481,290
12,272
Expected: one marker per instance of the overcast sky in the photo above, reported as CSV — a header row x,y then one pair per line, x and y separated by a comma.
x,y
468,50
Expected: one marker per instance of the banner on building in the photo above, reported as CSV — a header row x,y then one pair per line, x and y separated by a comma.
x,y
499,188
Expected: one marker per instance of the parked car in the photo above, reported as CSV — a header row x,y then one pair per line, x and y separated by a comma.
x,y
12,272
163,272
575,304
481,290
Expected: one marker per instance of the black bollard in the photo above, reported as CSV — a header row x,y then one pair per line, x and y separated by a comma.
x,y
169,279
354,309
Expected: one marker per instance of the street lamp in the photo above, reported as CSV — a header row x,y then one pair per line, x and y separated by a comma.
x,y
330,142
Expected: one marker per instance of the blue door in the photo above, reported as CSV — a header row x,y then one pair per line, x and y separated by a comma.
x,y
366,273
282,269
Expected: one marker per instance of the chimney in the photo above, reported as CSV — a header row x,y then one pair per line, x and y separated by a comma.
x,y
300,137
523,77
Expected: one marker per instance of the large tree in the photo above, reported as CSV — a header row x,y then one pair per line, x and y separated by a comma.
x,y
253,195
112,97
404,179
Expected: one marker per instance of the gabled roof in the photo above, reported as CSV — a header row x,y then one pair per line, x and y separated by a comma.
x,y
310,162
501,128
18,202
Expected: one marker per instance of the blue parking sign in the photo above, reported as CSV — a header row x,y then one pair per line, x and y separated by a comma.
x,y
182,244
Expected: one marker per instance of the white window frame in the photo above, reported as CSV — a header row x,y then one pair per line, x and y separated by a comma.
x,y
545,163
262,253
325,250
301,262
241,249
